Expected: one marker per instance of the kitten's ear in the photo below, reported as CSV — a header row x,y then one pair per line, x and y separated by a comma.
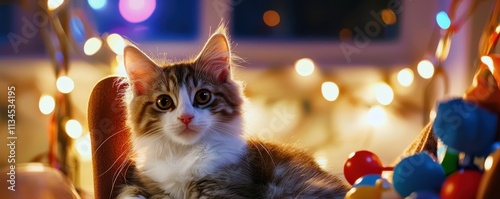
x,y
140,68
216,57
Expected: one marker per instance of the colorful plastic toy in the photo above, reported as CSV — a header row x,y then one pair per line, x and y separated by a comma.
x,y
418,172
423,195
381,190
361,163
465,127
462,184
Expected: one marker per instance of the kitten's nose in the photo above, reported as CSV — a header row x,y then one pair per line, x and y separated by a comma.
x,y
186,118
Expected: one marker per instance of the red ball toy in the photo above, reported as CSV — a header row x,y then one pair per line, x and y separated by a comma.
x,y
361,163
462,184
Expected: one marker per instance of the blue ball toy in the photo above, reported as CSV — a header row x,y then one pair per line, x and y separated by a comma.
x,y
466,127
370,180
418,172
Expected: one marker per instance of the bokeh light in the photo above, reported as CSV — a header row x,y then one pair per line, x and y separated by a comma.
x,y
425,69
116,43
65,84
405,77
488,61
376,116
304,67
136,11
54,4
271,18
97,4
443,20
384,94
330,91
345,34
83,147
46,104
92,45
73,129
388,16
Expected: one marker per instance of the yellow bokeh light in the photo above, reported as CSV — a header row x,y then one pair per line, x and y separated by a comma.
x,y
488,61
73,129
376,116
54,4
497,29
383,94
388,16
425,69
46,104
65,84
271,18
304,67
432,115
116,43
405,77
92,45
488,163
330,91
119,68
322,161
345,34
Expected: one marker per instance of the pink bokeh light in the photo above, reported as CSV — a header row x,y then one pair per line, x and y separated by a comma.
x,y
136,11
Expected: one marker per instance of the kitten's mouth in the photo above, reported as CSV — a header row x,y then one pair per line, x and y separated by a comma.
x,y
188,132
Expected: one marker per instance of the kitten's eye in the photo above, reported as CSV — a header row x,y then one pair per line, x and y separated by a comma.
x,y
164,102
203,96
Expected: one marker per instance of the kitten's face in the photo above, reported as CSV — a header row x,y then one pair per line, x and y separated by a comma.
x,y
187,101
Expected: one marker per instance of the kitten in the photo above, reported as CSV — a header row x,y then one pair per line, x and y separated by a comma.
x,y
187,135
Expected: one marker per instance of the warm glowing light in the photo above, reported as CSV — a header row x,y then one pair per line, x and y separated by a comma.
x,y
34,167
271,18
136,11
432,115
83,147
388,16
443,20
345,34
405,77
46,104
97,4
376,116
322,161
119,69
54,4
488,163
116,43
304,67
384,93
92,45
330,91
74,129
425,69
65,84
488,61
497,29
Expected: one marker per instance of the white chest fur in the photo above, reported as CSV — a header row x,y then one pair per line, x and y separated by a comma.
x,y
174,168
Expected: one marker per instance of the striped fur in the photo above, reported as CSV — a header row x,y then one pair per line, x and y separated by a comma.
x,y
208,156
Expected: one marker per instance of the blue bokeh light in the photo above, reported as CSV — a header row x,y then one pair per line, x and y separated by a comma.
x,y
443,20
97,4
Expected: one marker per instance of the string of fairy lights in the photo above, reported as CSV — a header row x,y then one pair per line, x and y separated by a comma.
x,y
59,104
